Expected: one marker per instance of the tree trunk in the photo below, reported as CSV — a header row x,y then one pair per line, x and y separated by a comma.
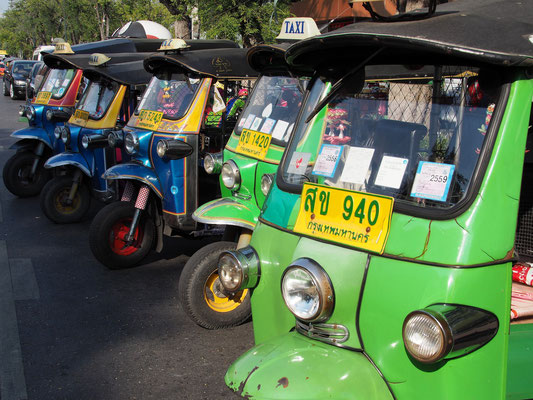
x,y
181,29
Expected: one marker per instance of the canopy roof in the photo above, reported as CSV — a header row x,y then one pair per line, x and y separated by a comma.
x,y
484,32
128,73
265,57
81,61
229,63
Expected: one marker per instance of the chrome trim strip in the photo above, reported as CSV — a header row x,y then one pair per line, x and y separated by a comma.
x,y
327,333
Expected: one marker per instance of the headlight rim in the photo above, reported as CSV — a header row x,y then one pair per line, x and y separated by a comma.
x,y
322,281
270,178
249,268
135,143
31,111
236,175
65,135
445,330
217,159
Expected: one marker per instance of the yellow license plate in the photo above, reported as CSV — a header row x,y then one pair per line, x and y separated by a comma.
x,y
254,144
82,115
149,119
43,97
356,219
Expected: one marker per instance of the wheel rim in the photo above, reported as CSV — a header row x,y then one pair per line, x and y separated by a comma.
x,y
216,300
60,202
117,240
25,176
11,91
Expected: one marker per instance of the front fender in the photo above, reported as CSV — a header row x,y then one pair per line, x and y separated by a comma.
x,y
292,366
228,211
32,134
137,172
67,158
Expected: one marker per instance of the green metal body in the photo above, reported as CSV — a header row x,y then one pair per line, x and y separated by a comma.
x,y
241,207
463,260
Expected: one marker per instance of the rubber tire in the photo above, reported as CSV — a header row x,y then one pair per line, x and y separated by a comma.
x,y
12,93
6,89
191,288
17,163
100,235
55,188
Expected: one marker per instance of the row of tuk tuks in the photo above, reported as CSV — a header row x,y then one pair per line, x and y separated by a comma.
x,y
369,187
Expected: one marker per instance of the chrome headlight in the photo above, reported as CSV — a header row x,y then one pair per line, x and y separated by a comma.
x,y
307,291
442,330
266,183
85,141
22,111
213,163
57,132
30,113
131,143
231,176
65,135
162,148
114,138
49,114
239,269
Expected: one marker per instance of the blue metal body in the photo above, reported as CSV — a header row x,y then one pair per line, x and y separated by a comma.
x,y
93,162
41,130
173,181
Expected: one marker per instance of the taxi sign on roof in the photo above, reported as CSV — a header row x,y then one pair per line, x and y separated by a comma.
x,y
63,48
98,59
173,44
298,29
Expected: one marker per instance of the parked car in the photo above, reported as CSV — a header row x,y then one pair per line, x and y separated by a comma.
x,y
31,79
15,78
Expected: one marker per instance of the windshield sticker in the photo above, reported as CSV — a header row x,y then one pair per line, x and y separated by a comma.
x,y
255,125
391,172
299,162
357,165
268,125
356,219
249,120
280,129
432,180
327,160
242,122
267,110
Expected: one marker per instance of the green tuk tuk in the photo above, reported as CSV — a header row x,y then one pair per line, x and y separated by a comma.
x,y
246,167
381,264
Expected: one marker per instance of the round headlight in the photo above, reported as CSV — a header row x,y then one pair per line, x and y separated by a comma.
x,y
65,135
239,269
30,113
426,336
229,272
131,143
49,114
266,182
307,291
162,148
85,141
112,140
22,111
231,177
213,163
57,132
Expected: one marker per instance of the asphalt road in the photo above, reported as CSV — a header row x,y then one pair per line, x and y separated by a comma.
x,y
72,329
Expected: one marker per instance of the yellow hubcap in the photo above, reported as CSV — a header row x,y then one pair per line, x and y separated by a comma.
x,y
60,202
218,301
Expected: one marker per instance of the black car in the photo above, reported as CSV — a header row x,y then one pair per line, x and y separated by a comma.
x,y
15,78
31,79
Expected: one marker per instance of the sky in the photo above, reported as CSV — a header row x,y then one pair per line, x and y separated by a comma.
x,y
3,5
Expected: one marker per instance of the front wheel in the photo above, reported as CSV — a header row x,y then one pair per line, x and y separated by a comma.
x,y
18,177
6,89
107,236
55,202
202,296
12,93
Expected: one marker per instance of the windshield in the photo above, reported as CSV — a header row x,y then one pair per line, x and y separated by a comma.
x,y
97,97
172,97
273,107
57,82
23,67
417,140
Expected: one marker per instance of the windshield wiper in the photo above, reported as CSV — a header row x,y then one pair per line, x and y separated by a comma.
x,y
338,85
